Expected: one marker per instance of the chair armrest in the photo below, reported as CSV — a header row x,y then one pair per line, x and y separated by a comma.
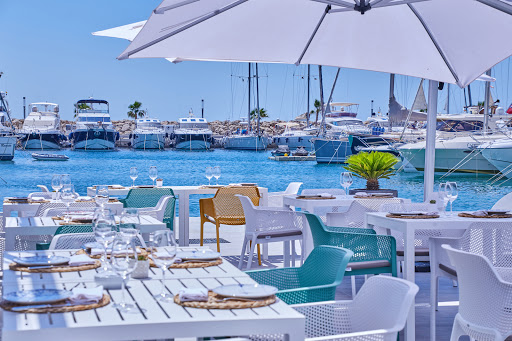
x,y
206,207
270,209
337,229
282,278
123,201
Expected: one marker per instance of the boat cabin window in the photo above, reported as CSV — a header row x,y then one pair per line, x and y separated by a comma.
x,y
149,125
93,119
457,126
192,125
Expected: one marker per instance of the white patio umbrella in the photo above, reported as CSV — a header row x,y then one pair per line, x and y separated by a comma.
x,y
431,39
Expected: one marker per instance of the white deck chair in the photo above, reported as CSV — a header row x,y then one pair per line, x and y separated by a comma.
x,y
74,205
46,195
275,199
355,215
55,212
485,297
504,203
268,225
43,188
158,211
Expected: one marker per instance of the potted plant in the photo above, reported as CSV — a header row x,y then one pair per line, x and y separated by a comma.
x,y
372,166
142,268
159,182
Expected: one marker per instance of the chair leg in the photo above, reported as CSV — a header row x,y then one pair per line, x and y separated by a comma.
x,y
242,254
217,225
353,282
251,253
433,305
259,254
201,233
293,253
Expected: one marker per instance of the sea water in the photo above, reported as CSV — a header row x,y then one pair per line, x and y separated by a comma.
x,y
88,168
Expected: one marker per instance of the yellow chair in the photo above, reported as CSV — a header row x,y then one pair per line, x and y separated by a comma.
x,y
225,208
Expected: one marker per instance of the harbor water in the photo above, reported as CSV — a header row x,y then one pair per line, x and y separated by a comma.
x,y
23,174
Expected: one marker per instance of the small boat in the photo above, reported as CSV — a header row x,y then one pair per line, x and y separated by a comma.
x,y
281,150
300,151
49,157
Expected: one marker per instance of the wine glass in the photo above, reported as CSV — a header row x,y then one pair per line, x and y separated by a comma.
x,y
56,185
153,174
65,179
124,263
453,193
443,195
134,174
216,173
104,227
67,196
346,181
101,195
163,257
209,174
129,223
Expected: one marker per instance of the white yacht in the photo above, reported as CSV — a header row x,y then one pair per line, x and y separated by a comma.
x,y
94,130
246,140
457,142
7,136
499,154
148,134
41,128
295,137
193,134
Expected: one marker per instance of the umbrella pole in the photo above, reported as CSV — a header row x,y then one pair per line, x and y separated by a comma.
x,y
430,147
322,130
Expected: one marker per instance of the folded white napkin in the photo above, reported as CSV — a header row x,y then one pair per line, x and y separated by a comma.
x,y
325,195
86,295
84,198
95,252
362,194
479,213
38,198
78,260
193,294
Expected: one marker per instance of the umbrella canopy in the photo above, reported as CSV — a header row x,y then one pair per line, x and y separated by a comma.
x,y
426,39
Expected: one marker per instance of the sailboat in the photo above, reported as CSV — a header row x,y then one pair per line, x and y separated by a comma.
x,y
247,139
7,136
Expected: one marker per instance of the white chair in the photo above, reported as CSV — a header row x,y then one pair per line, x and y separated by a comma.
x,y
46,195
494,240
158,211
485,298
55,212
355,215
43,188
270,224
504,203
275,199
77,240
74,205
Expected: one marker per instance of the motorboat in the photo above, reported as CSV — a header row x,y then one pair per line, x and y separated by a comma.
x,y
49,157
300,151
94,129
499,154
7,136
244,139
193,133
282,150
295,137
148,134
41,128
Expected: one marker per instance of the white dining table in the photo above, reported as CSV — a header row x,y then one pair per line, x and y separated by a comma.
x,y
29,209
183,193
408,228
151,319
42,226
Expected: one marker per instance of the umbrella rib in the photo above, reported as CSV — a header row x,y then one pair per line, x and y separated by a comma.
x,y
162,10
434,41
337,3
327,9
498,5
192,24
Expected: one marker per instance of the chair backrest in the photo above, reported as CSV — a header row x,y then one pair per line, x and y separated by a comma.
x,y
46,195
293,188
162,205
354,216
333,191
325,265
484,298
77,240
275,199
226,204
372,309
43,188
54,212
44,206
408,207
150,197
504,203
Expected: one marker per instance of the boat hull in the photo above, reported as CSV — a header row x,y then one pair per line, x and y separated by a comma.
x,y
41,141
293,142
500,157
94,139
332,151
193,141
254,143
7,146
148,141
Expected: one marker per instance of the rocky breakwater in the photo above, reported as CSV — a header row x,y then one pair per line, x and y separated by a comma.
x,y
224,128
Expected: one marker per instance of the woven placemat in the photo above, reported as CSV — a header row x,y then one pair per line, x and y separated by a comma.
x,y
66,309
63,268
469,215
16,202
314,198
74,222
38,201
374,197
422,216
190,265
215,302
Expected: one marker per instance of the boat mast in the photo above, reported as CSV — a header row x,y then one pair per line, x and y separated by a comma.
x,y
391,95
309,83
448,99
249,101
321,98
257,100
486,102
469,95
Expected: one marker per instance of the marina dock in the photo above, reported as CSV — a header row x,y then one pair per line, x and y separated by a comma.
x,y
293,158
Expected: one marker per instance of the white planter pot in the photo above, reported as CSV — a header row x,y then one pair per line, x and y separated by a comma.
x,y
141,269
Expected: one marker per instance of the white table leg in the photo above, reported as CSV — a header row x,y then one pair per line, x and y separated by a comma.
x,y
264,202
410,327
10,238
183,219
286,254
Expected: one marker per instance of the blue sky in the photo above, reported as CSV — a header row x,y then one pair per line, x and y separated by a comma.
x,y
47,53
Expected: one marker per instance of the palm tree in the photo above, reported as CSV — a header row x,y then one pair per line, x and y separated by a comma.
x,y
135,110
254,113
318,109
372,167
81,106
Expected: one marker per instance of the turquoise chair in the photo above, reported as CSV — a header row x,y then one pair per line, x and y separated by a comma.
x,y
66,229
149,197
373,254
315,281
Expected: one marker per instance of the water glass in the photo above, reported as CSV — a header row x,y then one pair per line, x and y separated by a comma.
x,y
68,195
346,181
56,185
101,195
124,261
65,179
104,227
153,174
163,258
129,223
443,195
209,174
216,173
453,193
134,174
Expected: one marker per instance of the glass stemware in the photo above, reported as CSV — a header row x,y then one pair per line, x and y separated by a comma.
x,y
104,232
67,196
163,258
216,174
443,195
124,261
56,185
102,195
129,223
153,174
134,174
209,174
453,193
346,181
65,179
